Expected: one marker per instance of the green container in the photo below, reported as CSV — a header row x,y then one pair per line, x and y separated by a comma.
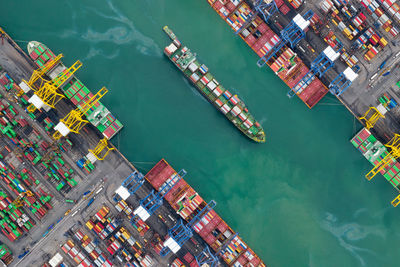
x,y
387,176
60,186
61,161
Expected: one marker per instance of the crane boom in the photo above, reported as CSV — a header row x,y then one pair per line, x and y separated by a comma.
x,y
39,73
74,121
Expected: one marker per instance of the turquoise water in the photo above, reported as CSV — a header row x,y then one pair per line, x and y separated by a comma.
x,y
298,200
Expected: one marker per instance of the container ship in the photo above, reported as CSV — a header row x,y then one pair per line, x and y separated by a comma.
x,y
99,116
230,105
374,151
261,38
211,228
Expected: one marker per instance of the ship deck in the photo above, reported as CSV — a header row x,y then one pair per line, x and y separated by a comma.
x,y
45,237
261,38
212,228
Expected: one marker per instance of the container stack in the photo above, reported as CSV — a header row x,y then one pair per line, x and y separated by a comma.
x,y
136,222
326,6
295,3
120,243
29,146
349,30
190,260
387,101
258,36
92,250
351,61
35,203
56,261
360,21
101,225
177,263
6,254
76,254
13,221
283,8
393,10
239,17
85,165
214,231
114,246
331,39
99,116
222,98
41,55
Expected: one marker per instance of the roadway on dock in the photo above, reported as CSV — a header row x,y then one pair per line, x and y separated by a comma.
x,y
45,238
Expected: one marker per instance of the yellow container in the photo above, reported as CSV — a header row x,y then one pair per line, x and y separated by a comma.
x,y
383,41
89,225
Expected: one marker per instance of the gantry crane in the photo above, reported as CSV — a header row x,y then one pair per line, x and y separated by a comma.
x,y
342,81
371,118
2,34
207,258
18,152
133,182
37,79
129,186
74,121
101,150
18,200
291,34
54,148
153,201
324,61
396,201
181,232
394,145
267,8
47,94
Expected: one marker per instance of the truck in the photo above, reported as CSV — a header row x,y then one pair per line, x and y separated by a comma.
x,y
90,202
20,256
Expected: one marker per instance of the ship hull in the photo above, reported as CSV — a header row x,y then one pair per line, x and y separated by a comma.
x,y
222,99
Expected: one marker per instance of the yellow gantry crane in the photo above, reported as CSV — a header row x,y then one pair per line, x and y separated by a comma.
x,y
47,93
396,201
74,121
101,150
37,79
50,152
18,152
394,145
371,116
18,200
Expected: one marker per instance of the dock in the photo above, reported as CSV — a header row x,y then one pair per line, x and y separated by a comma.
x,y
62,202
345,49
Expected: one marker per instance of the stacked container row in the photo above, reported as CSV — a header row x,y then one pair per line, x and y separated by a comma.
x,y
260,38
211,228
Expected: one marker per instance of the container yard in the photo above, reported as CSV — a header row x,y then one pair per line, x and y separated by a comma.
x,y
346,48
69,198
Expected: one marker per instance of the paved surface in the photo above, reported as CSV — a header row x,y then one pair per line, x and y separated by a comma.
x,y
45,238
365,91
